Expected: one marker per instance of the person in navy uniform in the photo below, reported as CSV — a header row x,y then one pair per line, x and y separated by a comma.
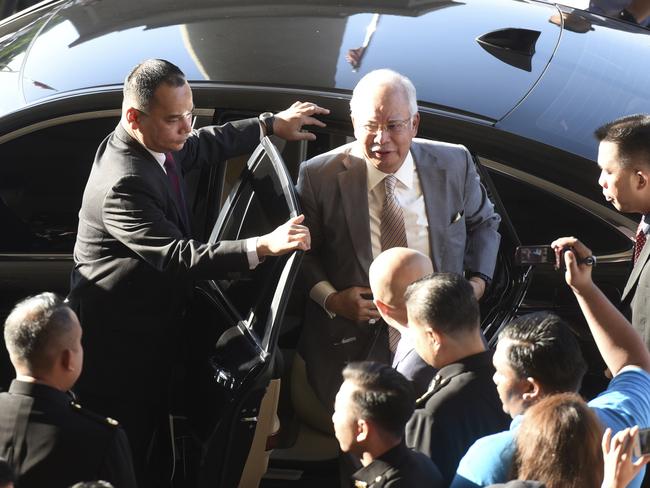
x,y
371,409
45,435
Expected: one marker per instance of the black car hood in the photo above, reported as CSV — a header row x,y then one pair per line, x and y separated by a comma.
x,y
302,44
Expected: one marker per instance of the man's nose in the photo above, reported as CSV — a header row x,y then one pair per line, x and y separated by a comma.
x,y
381,136
602,181
187,125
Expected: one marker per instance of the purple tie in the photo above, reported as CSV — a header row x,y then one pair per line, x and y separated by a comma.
x,y
177,189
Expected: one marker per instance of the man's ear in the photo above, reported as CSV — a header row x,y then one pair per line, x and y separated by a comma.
x,y
532,390
65,359
363,429
642,178
416,123
384,309
435,338
133,117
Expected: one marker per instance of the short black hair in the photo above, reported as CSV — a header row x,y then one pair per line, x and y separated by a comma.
x,y
383,395
445,302
33,325
631,134
141,83
544,347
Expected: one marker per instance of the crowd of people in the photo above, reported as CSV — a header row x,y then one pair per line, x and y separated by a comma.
x,y
402,242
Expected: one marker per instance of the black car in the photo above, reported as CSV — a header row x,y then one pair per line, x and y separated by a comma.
x,y
502,77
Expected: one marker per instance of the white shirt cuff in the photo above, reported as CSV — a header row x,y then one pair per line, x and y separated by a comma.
x,y
251,252
319,293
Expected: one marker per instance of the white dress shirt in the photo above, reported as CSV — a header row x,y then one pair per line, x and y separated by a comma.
x,y
408,193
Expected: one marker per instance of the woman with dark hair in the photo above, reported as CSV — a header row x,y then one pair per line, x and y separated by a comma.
x,y
559,444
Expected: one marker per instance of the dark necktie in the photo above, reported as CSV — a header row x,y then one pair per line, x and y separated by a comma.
x,y
639,242
177,189
392,234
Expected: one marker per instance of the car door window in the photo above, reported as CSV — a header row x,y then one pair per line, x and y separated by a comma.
x,y
42,177
260,202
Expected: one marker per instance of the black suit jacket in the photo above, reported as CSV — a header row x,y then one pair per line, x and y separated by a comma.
x,y
52,441
135,261
636,295
462,406
400,467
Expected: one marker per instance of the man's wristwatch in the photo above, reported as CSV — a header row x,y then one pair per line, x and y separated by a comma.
x,y
267,119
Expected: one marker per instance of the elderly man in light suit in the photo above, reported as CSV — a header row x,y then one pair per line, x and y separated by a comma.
x,y
385,189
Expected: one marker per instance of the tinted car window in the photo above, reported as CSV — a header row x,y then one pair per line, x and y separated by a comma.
x,y
259,205
539,217
42,177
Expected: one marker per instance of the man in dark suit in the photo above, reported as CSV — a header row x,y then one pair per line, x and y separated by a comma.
x,y
48,438
384,190
462,403
135,258
371,409
624,160
390,274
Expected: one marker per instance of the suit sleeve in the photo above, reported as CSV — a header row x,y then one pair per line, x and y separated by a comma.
x,y
215,144
481,222
118,467
312,269
133,213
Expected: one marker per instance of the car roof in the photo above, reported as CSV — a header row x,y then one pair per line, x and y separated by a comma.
x,y
500,62
69,45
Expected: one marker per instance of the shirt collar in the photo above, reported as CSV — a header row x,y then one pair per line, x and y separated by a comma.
x,y
645,223
404,174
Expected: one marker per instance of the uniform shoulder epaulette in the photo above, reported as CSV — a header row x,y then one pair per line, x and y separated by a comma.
x,y
93,416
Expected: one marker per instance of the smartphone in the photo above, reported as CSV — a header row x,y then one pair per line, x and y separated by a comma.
x,y
642,443
526,255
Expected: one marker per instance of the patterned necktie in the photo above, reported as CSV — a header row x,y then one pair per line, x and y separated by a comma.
x,y
391,229
177,189
392,234
639,242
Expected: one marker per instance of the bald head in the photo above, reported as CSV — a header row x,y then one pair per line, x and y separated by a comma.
x,y
390,274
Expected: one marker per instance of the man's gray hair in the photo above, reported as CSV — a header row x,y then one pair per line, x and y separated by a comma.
x,y
32,328
383,77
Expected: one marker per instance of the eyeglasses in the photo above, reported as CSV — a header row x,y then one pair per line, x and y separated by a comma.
x,y
393,127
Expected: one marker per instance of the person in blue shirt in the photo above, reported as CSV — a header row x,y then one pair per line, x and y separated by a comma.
x,y
532,360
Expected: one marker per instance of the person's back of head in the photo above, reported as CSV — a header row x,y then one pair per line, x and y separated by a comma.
x,y
381,395
371,409
558,443
390,274
43,338
542,346
445,316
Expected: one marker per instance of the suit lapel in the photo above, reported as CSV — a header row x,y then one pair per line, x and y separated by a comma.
x,y
353,186
139,149
433,184
636,271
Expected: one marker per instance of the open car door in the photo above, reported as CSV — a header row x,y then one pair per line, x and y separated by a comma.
x,y
233,329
